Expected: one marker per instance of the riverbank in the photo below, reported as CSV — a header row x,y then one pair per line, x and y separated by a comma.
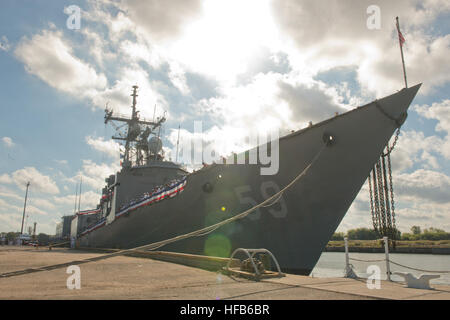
x,y
377,246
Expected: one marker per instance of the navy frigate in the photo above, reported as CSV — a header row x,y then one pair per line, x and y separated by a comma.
x,y
152,199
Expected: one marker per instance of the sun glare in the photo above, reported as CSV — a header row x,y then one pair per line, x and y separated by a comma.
x,y
226,38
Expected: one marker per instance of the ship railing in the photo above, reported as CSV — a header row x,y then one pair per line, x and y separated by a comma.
x,y
159,191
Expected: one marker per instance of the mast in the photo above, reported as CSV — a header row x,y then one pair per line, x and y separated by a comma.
x,y
24,207
137,133
76,197
178,141
34,230
79,196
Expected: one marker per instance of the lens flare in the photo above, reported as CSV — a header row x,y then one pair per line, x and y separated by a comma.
x,y
217,245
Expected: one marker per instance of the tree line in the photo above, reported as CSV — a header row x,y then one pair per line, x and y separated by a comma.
x,y
416,234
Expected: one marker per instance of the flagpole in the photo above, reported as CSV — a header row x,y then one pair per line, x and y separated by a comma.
x,y
401,51
76,198
79,196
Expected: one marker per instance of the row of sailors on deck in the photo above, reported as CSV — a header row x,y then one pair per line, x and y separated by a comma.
x,y
148,195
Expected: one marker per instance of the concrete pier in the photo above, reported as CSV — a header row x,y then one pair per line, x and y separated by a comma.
x,y
144,277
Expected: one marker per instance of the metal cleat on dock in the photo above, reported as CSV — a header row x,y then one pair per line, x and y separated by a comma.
x,y
423,282
252,268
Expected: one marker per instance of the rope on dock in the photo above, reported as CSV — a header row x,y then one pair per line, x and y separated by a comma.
x,y
400,265
380,260
431,271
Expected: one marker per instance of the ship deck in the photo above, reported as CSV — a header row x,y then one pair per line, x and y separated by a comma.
x,y
144,277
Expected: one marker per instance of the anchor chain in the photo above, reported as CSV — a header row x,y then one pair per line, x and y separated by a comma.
x,y
377,207
381,190
389,149
374,217
381,197
391,187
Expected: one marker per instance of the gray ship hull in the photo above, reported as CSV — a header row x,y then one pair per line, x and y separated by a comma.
x,y
297,228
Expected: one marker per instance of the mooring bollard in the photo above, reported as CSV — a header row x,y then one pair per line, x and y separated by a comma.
x,y
386,251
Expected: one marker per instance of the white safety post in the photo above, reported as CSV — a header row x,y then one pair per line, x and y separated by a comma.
x,y
386,250
349,273
347,264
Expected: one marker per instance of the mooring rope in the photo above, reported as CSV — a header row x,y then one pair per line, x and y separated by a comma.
x,y
197,233
400,265
380,260
431,271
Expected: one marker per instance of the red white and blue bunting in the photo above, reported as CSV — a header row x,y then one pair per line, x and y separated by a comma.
x,y
149,199
168,192
89,211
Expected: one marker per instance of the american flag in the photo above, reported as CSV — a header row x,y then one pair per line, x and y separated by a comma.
x,y
400,36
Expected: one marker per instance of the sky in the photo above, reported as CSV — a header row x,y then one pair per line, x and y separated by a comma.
x,y
237,66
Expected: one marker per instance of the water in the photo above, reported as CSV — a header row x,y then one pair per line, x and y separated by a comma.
x,y
332,264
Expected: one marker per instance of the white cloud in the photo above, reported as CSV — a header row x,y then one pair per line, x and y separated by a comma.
x,y
423,184
50,58
6,179
141,50
89,200
334,33
43,203
117,25
9,221
421,197
178,78
439,111
62,162
34,210
7,141
415,148
310,101
109,147
118,96
9,194
38,181
269,102
161,20
422,212
94,174
97,46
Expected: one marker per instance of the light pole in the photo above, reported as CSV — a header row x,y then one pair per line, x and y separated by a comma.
x,y
24,207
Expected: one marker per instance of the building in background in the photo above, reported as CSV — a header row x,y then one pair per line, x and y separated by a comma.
x,y
63,228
